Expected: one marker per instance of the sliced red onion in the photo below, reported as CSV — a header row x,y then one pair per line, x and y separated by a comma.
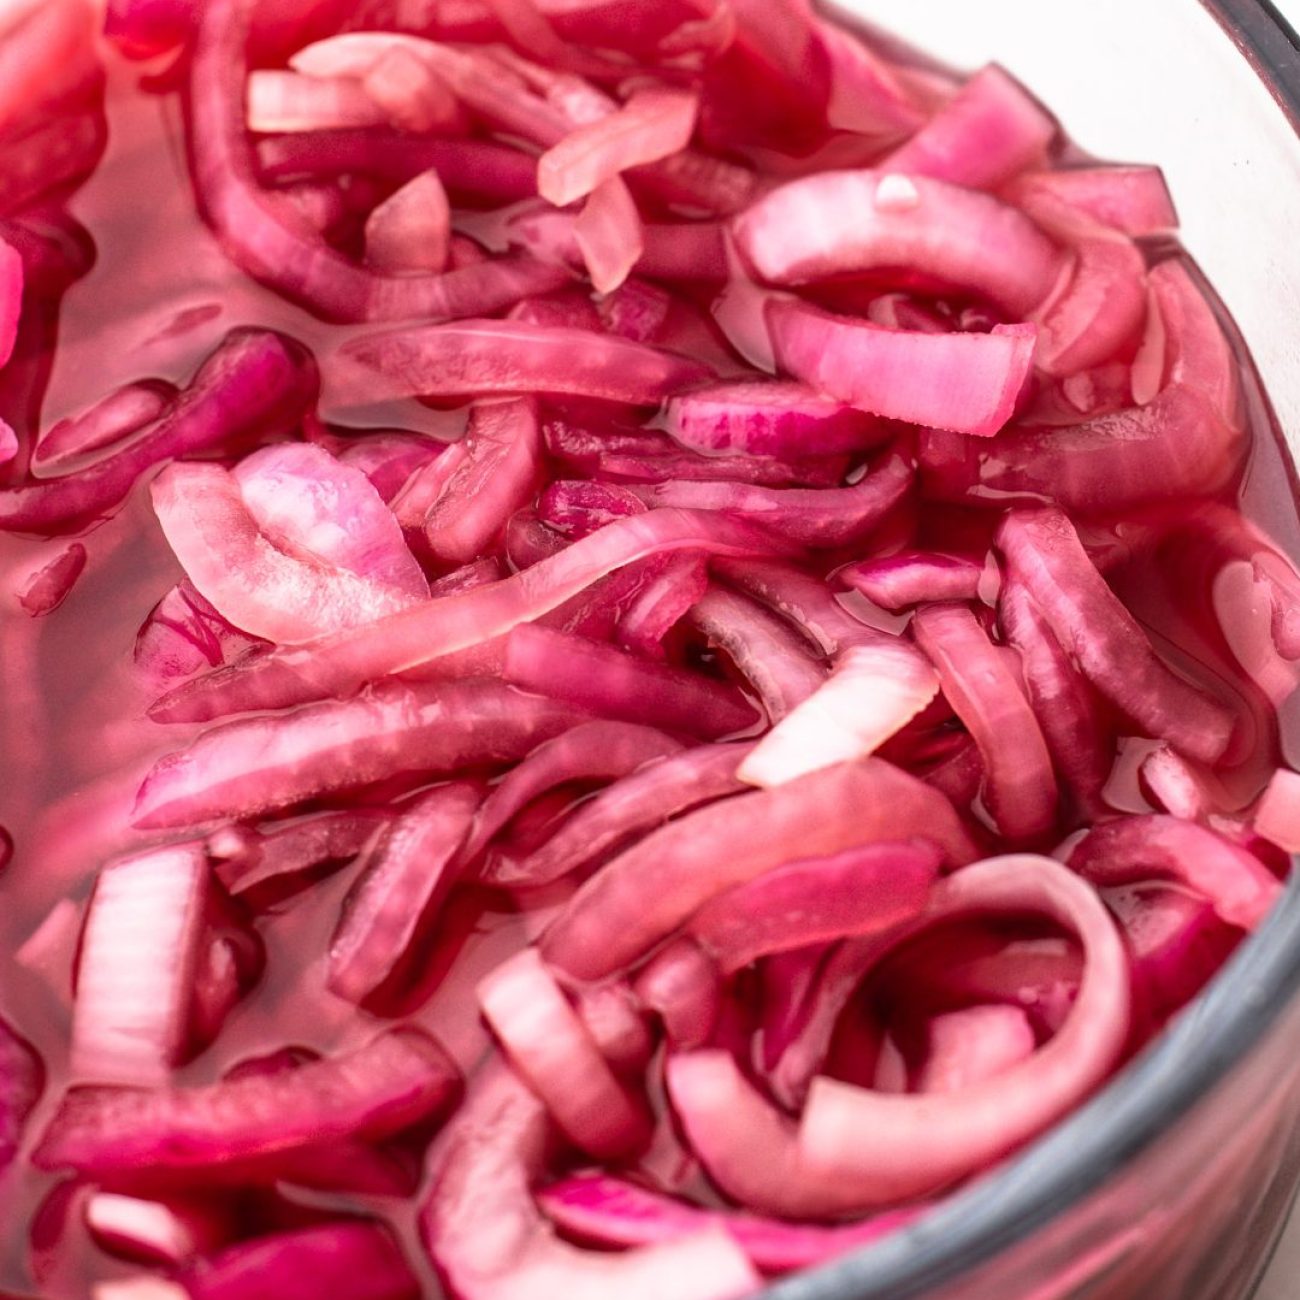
x,y
964,1048
484,479
271,576
22,1076
913,577
488,356
825,517
986,133
168,1232
616,1022
8,443
663,603
356,1259
615,685
636,310
184,634
255,382
286,101
411,229
549,1045
874,1149
609,1211
653,124
138,960
1177,785
413,96
1134,200
777,663
858,891
396,1080
1241,888
1197,352
874,692
866,95
835,223
985,692
11,296
968,383
408,873
609,235
768,419
112,418
592,751
46,589
490,1242
251,766
575,508
622,911
1043,551
1277,814
1063,702
682,985
624,810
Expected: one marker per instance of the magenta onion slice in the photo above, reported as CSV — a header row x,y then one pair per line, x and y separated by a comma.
x,y
990,130
653,124
490,1242
836,223
914,577
609,1211
964,1048
138,961
623,910
255,382
874,1149
23,1079
483,479
636,310
874,692
858,891
342,663
254,765
11,297
682,985
1043,551
488,356
397,1079
1241,888
408,873
608,682
813,517
184,634
114,417
50,585
968,383
662,604
986,694
609,235
546,1041
636,804
1134,200
1197,352
166,1232
779,665
768,419
617,1024
592,751
1063,702
1277,814
354,1260
411,229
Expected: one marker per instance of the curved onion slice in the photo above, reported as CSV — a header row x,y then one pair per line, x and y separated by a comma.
x,y
968,383
342,663
986,133
912,577
411,229
1043,551
490,1242
112,418
609,234
285,101
609,1211
1277,814
1241,888
251,766
637,803
1197,353
964,1048
138,960
682,985
874,692
623,910
269,580
858,891
836,223
551,1048
985,693
408,873
1134,200
397,1079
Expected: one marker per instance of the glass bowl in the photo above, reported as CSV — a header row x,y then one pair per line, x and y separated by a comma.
x,y
1175,1182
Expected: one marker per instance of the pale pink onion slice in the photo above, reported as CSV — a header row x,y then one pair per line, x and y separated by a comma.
x,y
1134,200
609,234
1277,814
411,229
966,1047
